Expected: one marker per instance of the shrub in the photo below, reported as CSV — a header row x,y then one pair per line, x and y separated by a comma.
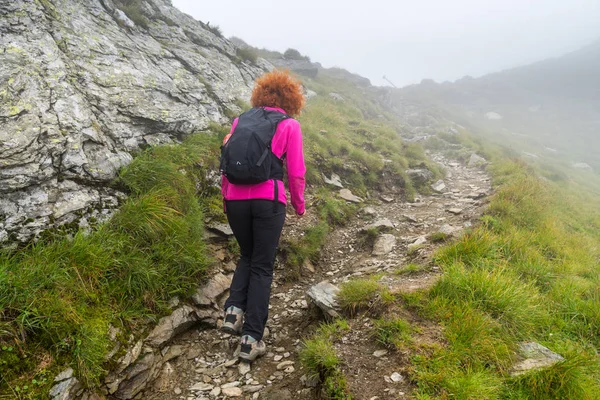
x,y
395,332
358,294
247,54
293,54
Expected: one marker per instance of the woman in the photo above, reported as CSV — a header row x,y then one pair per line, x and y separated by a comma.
x,y
256,212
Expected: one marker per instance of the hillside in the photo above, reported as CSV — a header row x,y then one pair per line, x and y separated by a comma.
x,y
550,109
432,263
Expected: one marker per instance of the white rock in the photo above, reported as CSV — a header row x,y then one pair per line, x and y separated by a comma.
x,y
396,377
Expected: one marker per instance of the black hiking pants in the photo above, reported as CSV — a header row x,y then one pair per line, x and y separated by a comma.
x,y
257,226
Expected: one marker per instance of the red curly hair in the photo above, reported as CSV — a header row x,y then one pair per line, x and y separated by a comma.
x,y
279,89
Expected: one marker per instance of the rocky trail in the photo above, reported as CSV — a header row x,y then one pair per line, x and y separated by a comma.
x,y
201,362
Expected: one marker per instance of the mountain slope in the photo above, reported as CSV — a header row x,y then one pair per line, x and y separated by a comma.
x,y
549,109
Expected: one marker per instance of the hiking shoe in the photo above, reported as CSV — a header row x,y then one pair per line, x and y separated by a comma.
x,y
250,349
233,320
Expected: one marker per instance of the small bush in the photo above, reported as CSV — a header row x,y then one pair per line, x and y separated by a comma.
x,y
319,359
215,29
359,294
293,54
247,54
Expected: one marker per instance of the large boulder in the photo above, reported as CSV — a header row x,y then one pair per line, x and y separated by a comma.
x,y
84,84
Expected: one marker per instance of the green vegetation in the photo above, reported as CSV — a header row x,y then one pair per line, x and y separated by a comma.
x,y
528,272
392,332
293,54
321,362
59,296
248,54
360,294
133,10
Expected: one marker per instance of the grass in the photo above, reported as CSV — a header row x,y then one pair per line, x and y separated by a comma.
x,y
319,358
60,295
527,272
392,332
361,294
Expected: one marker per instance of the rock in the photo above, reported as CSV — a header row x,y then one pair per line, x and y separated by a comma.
x,y
476,161
232,392
583,166
67,389
243,368
410,218
168,327
302,67
137,376
122,18
370,211
324,295
252,388
336,97
387,199
66,374
335,180
348,196
277,358
213,290
202,387
177,391
419,176
310,94
447,230
535,357
417,243
379,225
380,353
439,186
220,228
384,244
284,365
307,267
396,377
493,116
455,211
77,102
215,392
129,357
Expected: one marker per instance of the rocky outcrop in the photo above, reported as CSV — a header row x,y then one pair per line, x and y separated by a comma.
x,y
82,85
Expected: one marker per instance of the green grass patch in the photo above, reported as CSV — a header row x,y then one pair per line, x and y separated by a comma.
x,y
59,296
361,294
320,360
392,332
527,272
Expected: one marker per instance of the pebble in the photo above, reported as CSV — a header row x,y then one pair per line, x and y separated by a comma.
x,y
278,358
201,387
244,368
215,392
380,353
177,390
396,377
232,392
284,365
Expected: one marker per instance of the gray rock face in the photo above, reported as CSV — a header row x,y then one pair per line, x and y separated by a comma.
x,y
324,294
81,86
534,357
302,67
380,225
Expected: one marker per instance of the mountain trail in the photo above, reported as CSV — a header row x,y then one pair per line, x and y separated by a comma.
x,y
206,366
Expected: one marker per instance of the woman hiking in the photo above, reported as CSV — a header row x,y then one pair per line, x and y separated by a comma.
x,y
261,141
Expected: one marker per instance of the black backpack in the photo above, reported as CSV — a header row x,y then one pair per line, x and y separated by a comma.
x,y
247,158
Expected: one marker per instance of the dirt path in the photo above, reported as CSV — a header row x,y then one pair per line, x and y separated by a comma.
x,y
206,367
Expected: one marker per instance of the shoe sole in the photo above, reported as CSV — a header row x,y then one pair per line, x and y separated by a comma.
x,y
230,330
249,358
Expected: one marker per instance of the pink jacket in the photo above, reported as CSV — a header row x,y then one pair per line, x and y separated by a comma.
x,y
286,141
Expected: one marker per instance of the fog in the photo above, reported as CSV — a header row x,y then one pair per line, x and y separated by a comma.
x,y
407,40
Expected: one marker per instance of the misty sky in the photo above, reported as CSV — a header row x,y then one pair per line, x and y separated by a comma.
x,y
409,40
